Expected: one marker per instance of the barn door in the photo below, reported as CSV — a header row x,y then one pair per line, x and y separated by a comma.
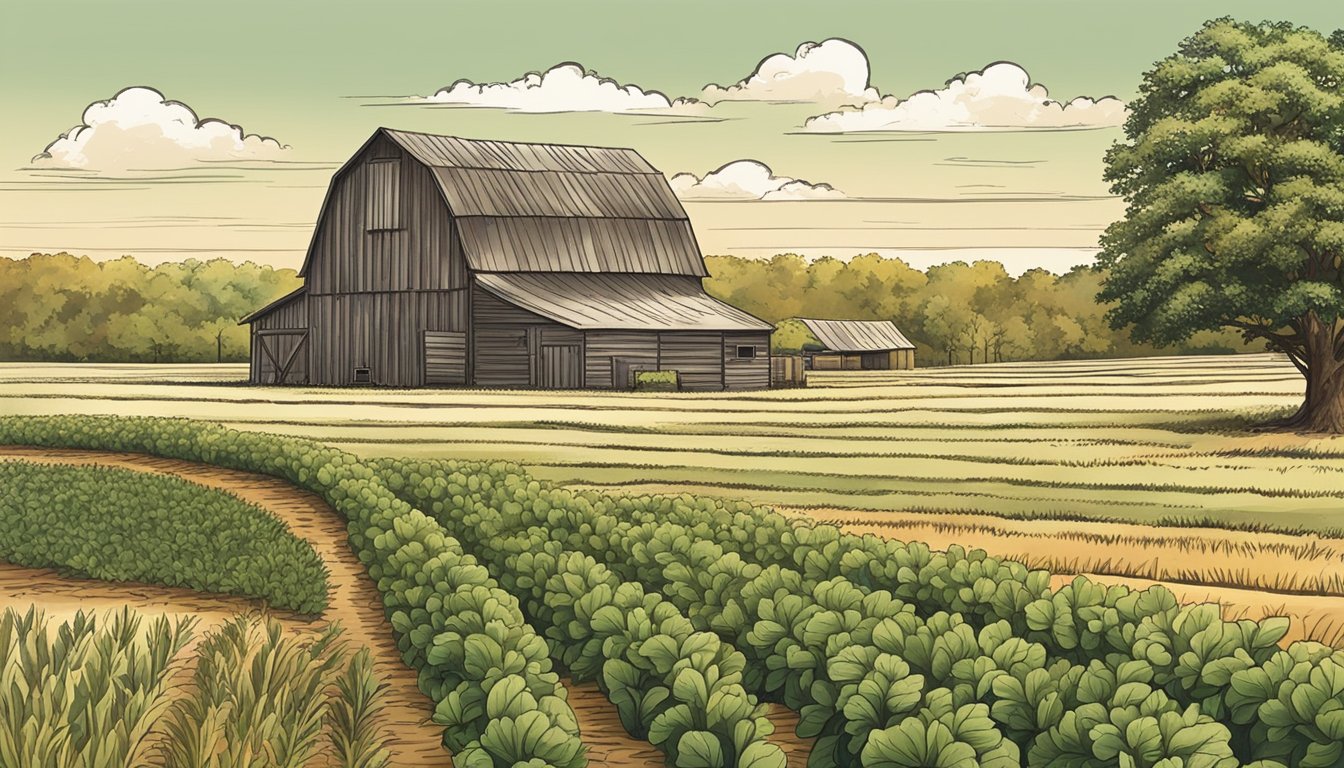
x,y
284,356
445,358
560,366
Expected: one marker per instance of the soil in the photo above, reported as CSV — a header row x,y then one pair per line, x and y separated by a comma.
x,y
353,602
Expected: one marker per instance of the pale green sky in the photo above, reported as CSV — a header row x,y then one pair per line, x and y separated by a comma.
x,y
286,69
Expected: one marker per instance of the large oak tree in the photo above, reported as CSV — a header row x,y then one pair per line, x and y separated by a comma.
x,y
1233,169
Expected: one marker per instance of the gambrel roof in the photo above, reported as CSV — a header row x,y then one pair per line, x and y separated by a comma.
x,y
591,237
558,208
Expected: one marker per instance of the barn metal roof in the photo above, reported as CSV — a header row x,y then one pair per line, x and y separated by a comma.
x,y
453,152
509,244
620,301
857,335
558,208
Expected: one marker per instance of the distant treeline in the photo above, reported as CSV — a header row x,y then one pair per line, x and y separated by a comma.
x,y
954,313
58,307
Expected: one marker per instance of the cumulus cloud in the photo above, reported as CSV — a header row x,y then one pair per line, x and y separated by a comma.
x,y
566,87
832,72
749,180
999,97
139,129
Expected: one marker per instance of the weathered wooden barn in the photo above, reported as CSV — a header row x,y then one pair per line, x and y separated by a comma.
x,y
440,261
876,345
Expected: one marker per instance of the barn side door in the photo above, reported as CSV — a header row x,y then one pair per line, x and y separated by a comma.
x,y
284,356
561,366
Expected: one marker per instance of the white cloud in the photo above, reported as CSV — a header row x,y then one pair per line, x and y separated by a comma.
x,y
999,97
749,180
566,87
832,72
139,129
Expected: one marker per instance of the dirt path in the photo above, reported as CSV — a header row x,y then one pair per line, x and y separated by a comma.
x,y
353,601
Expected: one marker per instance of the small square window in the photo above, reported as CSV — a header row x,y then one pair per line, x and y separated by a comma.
x,y
363,376
746,352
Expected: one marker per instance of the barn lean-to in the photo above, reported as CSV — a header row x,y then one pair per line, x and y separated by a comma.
x,y
440,261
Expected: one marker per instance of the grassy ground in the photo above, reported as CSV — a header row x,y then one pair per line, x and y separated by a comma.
x,y
1128,440
1066,465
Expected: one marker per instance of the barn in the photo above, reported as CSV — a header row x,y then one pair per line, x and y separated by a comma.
x,y
876,345
440,261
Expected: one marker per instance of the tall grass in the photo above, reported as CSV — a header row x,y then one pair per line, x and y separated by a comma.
x,y
85,693
356,741
259,698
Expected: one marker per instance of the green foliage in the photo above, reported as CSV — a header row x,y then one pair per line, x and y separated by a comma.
x,y
793,337
255,692
955,313
1232,168
452,622
352,723
86,693
657,381
61,307
122,525
691,612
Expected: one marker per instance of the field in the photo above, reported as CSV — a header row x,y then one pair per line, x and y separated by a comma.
x,y
1148,441
1012,457
1132,472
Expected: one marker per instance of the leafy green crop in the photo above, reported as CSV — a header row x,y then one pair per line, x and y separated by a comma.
x,y
122,525
689,611
453,623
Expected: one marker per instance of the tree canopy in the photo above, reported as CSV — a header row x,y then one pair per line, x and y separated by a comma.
x,y
1233,169
70,308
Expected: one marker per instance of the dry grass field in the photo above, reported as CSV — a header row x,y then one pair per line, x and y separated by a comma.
x,y
1126,469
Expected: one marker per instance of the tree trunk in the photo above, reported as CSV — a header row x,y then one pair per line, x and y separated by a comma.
x,y
1323,406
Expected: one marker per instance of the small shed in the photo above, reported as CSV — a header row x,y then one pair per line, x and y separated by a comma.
x,y
443,261
851,345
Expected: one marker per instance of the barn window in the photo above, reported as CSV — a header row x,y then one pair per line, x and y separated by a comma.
x,y
363,376
746,352
383,207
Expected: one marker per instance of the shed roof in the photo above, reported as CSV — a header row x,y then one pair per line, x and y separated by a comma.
x,y
558,208
274,305
620,301
857,335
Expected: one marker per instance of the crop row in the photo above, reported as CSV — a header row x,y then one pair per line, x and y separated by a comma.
x,y
885,647
485,667
674,684
120,525
893,654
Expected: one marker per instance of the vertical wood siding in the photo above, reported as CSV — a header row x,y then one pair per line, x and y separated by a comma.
x,y
379,331
382,195
746,374
422,254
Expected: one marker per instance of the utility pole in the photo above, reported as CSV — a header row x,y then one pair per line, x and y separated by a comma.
x,y
219,346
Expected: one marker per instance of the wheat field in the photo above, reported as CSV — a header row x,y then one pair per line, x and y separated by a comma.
x,y
1145,469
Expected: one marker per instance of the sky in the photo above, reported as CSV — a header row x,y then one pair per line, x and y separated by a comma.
x,y
932,130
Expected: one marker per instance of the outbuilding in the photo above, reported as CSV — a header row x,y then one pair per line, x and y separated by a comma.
x,y
442,261
858,345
